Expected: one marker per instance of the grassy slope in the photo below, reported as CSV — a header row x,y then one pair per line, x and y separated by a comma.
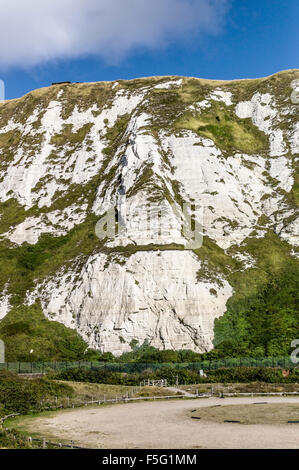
x,y
262,317
19,395
26,328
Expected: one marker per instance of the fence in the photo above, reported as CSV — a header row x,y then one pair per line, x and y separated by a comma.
x,y
43,443
4,418
154,383
71,403
66,402
45,367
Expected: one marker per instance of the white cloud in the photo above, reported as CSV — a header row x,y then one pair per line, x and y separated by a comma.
x,y
36,31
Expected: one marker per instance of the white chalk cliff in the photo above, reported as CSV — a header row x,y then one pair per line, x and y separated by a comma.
x,y
71,153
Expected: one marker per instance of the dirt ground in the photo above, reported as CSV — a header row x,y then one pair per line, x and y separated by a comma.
x,y
161,425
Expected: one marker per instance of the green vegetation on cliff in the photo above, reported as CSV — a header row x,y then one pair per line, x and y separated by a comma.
x,y
262,315
30,337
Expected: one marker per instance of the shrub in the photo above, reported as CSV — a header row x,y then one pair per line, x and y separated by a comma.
x,y
188,376
18,395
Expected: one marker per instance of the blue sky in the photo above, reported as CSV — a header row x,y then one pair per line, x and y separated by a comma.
x,y
217,39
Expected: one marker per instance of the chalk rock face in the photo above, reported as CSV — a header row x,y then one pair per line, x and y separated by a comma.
x,y
126,206
153,296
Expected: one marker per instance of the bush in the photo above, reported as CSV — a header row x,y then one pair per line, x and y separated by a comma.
x,y
26,328
19,395
251,374
224,375
13,440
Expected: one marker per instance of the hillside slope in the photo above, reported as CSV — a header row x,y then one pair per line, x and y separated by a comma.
x,y
71,153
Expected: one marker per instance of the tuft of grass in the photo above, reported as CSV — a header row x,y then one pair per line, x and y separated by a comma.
x,y
67,137
11,213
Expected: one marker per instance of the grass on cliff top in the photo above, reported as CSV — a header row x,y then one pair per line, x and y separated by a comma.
x,y
277,84
82,95
86,94
168,108
219,122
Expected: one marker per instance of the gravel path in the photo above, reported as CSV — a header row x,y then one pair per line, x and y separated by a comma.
x,y
164,424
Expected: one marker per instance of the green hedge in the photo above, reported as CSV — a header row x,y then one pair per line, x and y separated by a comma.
x,y
18,395
224,375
